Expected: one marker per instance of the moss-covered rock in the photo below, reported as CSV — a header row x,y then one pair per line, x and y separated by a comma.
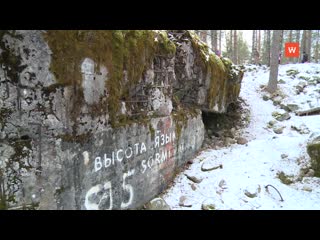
x,y
285,179
292,72
313,149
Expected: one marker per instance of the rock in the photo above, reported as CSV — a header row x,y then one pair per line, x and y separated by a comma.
x,y
310,173
302,129
242,141
308,189
283,156
278,129
282,117
194,178
252,191
271,123
285,179
300,87
276,100
207,166
230,141
292,72
265,98
284,107
292,107
313,150
193,187
316,78
208,204
275,114
183,202
223,184
157,204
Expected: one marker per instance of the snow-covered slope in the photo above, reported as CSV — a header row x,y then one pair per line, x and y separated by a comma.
x,y
246,171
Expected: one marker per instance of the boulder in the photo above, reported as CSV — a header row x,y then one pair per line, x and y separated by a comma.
x,y
292,107
313,149
252,191
278,129
241,140
282,116
223,184
208,204
184,202
157,204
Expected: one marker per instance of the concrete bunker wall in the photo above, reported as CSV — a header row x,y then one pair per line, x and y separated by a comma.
x,y
96,119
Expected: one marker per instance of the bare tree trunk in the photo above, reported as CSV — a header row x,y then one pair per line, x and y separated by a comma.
x,y
220,37
316,55
214,39
235,47
253,46
281,45
308,44
203,35
268,47
298,41
303,43
290,40
290,36
259,41
273,78
231,44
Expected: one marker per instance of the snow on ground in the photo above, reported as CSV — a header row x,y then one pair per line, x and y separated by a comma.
x,y
248,169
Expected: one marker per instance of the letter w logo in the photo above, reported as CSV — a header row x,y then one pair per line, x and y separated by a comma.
x,y
292,50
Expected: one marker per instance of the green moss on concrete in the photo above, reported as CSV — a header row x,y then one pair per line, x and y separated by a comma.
x,y
3,203
18,162
180,118
152,131
52,88
118,50
81,138
9,59
219,70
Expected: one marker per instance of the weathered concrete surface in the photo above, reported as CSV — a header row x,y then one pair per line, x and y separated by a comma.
x,y
81,131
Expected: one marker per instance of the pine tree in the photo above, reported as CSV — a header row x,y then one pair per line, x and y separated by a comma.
x,y
220,37
308,44
274,64
298,41
235,47
316,52
214,40
253,46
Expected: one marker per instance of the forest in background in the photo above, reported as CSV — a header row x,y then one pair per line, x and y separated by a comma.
x,y
235,47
